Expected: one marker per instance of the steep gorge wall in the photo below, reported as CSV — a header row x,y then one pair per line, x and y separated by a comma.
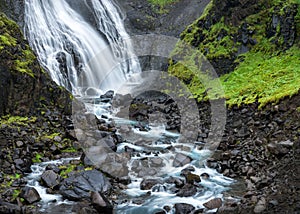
x,y
25,88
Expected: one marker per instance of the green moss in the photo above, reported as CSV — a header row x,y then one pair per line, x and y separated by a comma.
x,y
161,4
6,39
16,120
69,150
11,36
52,136
265,74
66,169
263,78
37,158
16,194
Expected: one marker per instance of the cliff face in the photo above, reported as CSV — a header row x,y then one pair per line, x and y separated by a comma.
x,y
143,17
25,88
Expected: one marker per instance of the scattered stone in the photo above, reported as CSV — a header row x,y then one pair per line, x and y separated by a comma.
x,y
181,160
177,181
260,206
273,202
6,208
183,208
19,143
101,203
57,139
204,175
213,203
50,179
149,183
187,190
30,195
288,143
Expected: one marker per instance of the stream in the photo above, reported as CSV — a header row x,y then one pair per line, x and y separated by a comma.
x,y
85,48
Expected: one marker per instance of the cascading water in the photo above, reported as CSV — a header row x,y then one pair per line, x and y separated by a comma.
x,y
83,59
85,48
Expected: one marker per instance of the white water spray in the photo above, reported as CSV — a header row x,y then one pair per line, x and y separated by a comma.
x,y
85,60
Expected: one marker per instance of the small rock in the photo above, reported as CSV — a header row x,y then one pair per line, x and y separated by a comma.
x,y
183,208
191,178
187,191
57,139
255,179
181,160
288,144
50,179
213,203
273,202
260,206
149,183
19,143
204,175
100,203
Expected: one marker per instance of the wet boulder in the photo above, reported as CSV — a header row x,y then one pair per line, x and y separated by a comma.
x,y
107,97
100,203
213,203
79,185
50,179
183,208
30,195
149,183
181,160
187,190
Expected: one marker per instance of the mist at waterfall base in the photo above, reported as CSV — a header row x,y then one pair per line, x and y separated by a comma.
x,y
71,39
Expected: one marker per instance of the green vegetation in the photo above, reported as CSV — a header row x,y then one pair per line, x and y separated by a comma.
x,y
69,150
37,158
16,194
66,169
263,78
11,37
161,4
16,120
265,74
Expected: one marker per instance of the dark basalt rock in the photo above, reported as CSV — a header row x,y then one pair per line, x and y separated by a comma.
x,y
9,208
213,203
100,203
149,183
187,190
78,186
30,195
50,179
182,208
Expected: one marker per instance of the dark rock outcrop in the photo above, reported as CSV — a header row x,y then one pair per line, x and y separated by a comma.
x,y
25,88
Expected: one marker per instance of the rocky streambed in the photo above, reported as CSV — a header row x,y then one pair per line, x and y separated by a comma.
x,y
259,151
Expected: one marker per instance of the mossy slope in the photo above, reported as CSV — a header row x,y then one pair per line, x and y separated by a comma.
x,y
261,45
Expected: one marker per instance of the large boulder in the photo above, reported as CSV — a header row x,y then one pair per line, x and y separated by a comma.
x,y
79,185
30,195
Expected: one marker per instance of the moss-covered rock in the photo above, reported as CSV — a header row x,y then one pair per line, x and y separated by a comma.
x,y
25,87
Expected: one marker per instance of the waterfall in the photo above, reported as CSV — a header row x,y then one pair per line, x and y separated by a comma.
x,y
82,44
